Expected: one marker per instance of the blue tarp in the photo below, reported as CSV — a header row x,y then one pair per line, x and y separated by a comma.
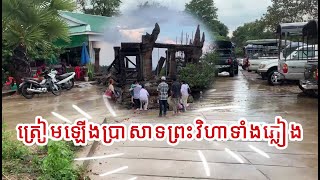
x,y
85,59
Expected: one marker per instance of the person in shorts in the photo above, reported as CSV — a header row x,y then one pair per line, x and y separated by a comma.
x,y
163,89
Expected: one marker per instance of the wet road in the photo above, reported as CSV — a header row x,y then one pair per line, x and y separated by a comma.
x,y
248,97
16,109
229,99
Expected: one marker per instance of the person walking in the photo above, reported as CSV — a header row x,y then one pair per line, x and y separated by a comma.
x,y
136,95
132,94
110,92
144,96
175,94
163,89
185,91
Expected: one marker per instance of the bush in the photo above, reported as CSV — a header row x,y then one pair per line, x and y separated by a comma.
x,y
201,75
54,161
12,149
58,164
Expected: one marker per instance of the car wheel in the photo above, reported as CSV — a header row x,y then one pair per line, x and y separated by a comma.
x,y
216,73
315,93
302,89
273,79
231,72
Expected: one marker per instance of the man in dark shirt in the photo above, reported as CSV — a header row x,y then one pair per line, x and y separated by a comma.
x,y
175,94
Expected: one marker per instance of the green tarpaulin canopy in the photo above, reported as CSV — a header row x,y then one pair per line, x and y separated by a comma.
x,y
75,41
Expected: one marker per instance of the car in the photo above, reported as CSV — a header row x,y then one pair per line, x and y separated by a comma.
x,y
309,84
227,60
293,67
262,50
267,68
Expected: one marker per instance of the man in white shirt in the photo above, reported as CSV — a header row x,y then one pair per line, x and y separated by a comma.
x,y
185,89
136,95
144,95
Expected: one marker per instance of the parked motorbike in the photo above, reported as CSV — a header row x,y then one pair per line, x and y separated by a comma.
x,y
245,63
65,81
31,86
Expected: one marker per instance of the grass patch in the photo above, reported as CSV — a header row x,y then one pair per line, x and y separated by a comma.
x,y
54,161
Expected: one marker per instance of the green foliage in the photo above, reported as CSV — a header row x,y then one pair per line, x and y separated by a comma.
x,y
206,12
90,71
12,149
15,156
34,24
250,31
201,75
54,161
107,8
202,9
283,11
58,164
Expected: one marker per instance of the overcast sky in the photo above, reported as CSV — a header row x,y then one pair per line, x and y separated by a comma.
x,y
232,13
134,23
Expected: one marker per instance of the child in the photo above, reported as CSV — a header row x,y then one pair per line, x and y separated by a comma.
x,y
144,95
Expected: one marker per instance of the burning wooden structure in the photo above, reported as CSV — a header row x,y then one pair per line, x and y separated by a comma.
x,y
141,70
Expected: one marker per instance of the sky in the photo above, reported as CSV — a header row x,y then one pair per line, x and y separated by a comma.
x,y
232,13
134,23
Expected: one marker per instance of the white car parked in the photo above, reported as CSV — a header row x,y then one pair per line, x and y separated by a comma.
x,y
290,68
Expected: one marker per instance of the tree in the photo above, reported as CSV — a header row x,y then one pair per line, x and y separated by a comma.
x,y
202,9
149,4
30,26
107,8
201,75
205,11
250,31
282,11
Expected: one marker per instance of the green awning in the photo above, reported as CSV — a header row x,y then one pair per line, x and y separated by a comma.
x,y
75,41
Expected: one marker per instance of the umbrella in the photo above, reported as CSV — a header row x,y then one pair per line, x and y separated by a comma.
x,y
85,59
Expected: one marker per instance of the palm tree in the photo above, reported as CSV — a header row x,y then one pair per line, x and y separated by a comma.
x,y
30,25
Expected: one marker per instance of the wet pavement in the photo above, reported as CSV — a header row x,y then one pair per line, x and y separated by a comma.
x,y
16,109
243,96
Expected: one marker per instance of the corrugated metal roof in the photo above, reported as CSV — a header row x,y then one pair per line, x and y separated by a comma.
x,y
96,23
292,28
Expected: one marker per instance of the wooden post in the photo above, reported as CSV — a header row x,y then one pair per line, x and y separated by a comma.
x,y
122,68
148,42
139,69
96,59
160,65
167,62
173,64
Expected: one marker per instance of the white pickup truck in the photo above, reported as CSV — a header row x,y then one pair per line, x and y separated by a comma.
x,y
254,63
290,68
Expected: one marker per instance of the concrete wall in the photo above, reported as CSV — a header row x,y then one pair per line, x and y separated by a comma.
x,y
106,49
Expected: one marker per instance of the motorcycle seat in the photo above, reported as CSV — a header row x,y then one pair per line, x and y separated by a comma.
x,y
35,79
63,76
